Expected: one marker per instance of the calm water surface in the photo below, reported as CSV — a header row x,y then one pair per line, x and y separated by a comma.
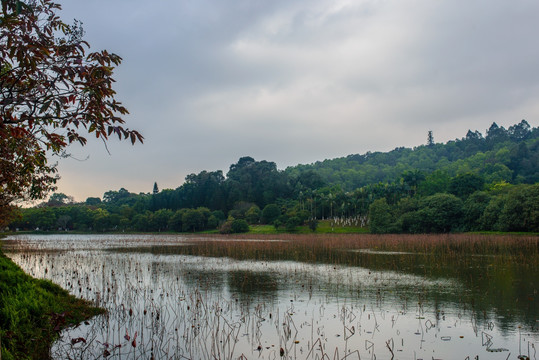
x,y
164,301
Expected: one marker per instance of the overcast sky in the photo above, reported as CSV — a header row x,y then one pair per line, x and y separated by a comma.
x,y
296,81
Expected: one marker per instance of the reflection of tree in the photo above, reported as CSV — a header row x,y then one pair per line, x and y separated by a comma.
x,y
250,284
496,290
500,287
204,279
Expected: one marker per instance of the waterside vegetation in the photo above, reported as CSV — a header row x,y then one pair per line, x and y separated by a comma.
x,y
475,183
33,312
271,296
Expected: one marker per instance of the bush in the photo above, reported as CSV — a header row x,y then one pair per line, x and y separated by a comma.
x,y
313,224
213,222
226,228
292,223
240,226
270,213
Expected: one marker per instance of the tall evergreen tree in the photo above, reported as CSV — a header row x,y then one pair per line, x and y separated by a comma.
x,y
430,139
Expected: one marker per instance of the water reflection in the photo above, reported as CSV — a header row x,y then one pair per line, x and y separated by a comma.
x,y
169,301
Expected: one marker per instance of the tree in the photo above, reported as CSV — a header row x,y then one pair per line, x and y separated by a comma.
x,y
59,199
161,219
520,131
412,179
466,184
313,224
51,93
520,211
112,196
92,201
253,214
270,213
292,223
440,213
381,217
192,220
239,226
436,182
155,188
473,209
175,222
430,139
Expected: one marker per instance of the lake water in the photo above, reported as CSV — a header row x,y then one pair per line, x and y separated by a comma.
x,y
176,297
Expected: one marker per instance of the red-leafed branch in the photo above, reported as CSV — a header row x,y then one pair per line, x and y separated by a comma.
x,y
52,93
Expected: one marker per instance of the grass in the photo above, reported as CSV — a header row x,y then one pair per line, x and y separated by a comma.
x,y
33,312
324,227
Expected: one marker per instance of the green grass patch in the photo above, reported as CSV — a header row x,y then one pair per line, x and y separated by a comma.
x,y
324,227
33,312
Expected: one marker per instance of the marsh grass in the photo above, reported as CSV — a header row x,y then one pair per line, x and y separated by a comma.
x,y
33,312
337,247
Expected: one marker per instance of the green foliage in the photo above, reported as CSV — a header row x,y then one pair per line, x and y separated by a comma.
x,y
440,213
473,208
239,226
192,220
253,215
270,213
381,217
92,201
471,153
313,224
412,179
31,309
436,182
491,214
292,223
213,222
161,218
466,184
226,227
520,210
489,174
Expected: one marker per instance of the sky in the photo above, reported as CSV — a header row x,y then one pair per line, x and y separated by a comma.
x,y
298,81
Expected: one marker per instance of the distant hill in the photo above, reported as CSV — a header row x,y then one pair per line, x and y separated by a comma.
x,y
510,155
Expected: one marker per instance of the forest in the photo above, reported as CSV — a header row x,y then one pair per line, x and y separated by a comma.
x,y
480,182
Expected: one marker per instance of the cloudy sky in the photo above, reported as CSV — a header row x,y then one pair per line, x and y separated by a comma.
x,y
296,81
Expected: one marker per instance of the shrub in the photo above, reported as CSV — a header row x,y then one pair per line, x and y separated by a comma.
x,y
292,223
240,226
270,213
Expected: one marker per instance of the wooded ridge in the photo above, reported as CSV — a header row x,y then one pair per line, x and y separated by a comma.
x,y
478,183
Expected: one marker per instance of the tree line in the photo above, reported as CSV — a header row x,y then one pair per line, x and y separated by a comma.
x,y
471,184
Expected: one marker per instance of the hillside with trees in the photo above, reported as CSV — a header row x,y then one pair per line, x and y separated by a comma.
x,y
509,155
477,183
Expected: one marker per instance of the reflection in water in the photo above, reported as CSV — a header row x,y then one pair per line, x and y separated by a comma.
x,y
168,301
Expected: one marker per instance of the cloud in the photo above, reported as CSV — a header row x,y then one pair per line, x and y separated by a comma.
x,y
297,81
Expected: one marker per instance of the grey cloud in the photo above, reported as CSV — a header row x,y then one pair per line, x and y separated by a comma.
x,y
298,81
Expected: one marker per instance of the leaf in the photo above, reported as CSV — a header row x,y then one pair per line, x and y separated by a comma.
x,y
45,106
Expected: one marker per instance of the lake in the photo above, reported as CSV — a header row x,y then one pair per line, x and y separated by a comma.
x,y
293,296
